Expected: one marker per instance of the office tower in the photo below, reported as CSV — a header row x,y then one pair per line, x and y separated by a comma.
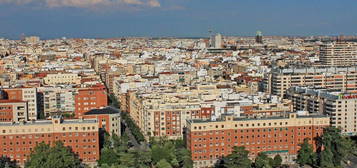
x,y
342,78
216,41
259,37
210,140
341,107
338,53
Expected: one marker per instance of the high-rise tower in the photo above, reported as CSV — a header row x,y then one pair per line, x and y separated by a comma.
x,y
259,37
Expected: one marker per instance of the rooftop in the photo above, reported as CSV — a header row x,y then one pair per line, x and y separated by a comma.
x,y
106,110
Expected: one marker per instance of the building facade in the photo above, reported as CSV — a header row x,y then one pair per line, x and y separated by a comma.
x,y
89,98
210,140
25,94
108,119
338,53
13,111
62,78
18,140
340,106
342,78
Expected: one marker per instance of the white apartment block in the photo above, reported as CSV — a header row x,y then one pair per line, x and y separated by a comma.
x,y
62,78
340,106
342,78
338,53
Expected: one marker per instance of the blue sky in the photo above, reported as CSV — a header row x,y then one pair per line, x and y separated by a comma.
x,y
183,18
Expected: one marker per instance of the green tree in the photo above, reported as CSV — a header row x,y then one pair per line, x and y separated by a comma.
x,y
143,158
184,158
127,159
5,162
165,151
326,159
57,156
108,156
263,161
336,148
135,130
277,160
163,164
237,159
306,155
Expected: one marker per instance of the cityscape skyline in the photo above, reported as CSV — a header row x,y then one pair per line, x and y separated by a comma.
x,y
149,18
178,84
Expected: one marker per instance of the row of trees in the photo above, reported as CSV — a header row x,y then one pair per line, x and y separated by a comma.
x,y
332,150
135,130
161,154
239,159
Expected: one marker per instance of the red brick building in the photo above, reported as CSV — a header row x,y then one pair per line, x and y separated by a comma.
x,y
26,94
19,139
93,97
108,119
210,140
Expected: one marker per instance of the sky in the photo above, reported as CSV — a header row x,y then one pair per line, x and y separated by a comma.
x,y
175,18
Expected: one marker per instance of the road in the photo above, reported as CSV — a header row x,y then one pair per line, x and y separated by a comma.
x,y
131,136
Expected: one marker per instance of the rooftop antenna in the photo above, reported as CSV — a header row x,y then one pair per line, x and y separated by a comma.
x,y
210,32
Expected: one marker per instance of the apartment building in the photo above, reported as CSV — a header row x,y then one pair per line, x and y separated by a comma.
x,y
56,100
338,53
28,95
108,119
342,78
62,78
18,140
267,109
340,106
13,110
93,97
211,139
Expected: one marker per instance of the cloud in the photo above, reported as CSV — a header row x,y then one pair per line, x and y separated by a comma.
x,y
154,3
85,3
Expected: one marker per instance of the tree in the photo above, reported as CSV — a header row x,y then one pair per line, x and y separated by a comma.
x,y
143,158
336,148
306,155
263,161
108,156
6,162
163,164
57,156
277,161
164,151
237,159
184,158
127,159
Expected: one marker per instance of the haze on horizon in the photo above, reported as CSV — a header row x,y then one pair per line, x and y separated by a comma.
x,y
175,18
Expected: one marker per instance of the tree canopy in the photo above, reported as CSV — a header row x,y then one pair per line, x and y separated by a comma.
x,y
237,159
5,162
332,149
58,156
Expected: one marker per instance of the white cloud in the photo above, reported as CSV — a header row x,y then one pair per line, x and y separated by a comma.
x,y
85,3
154,3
